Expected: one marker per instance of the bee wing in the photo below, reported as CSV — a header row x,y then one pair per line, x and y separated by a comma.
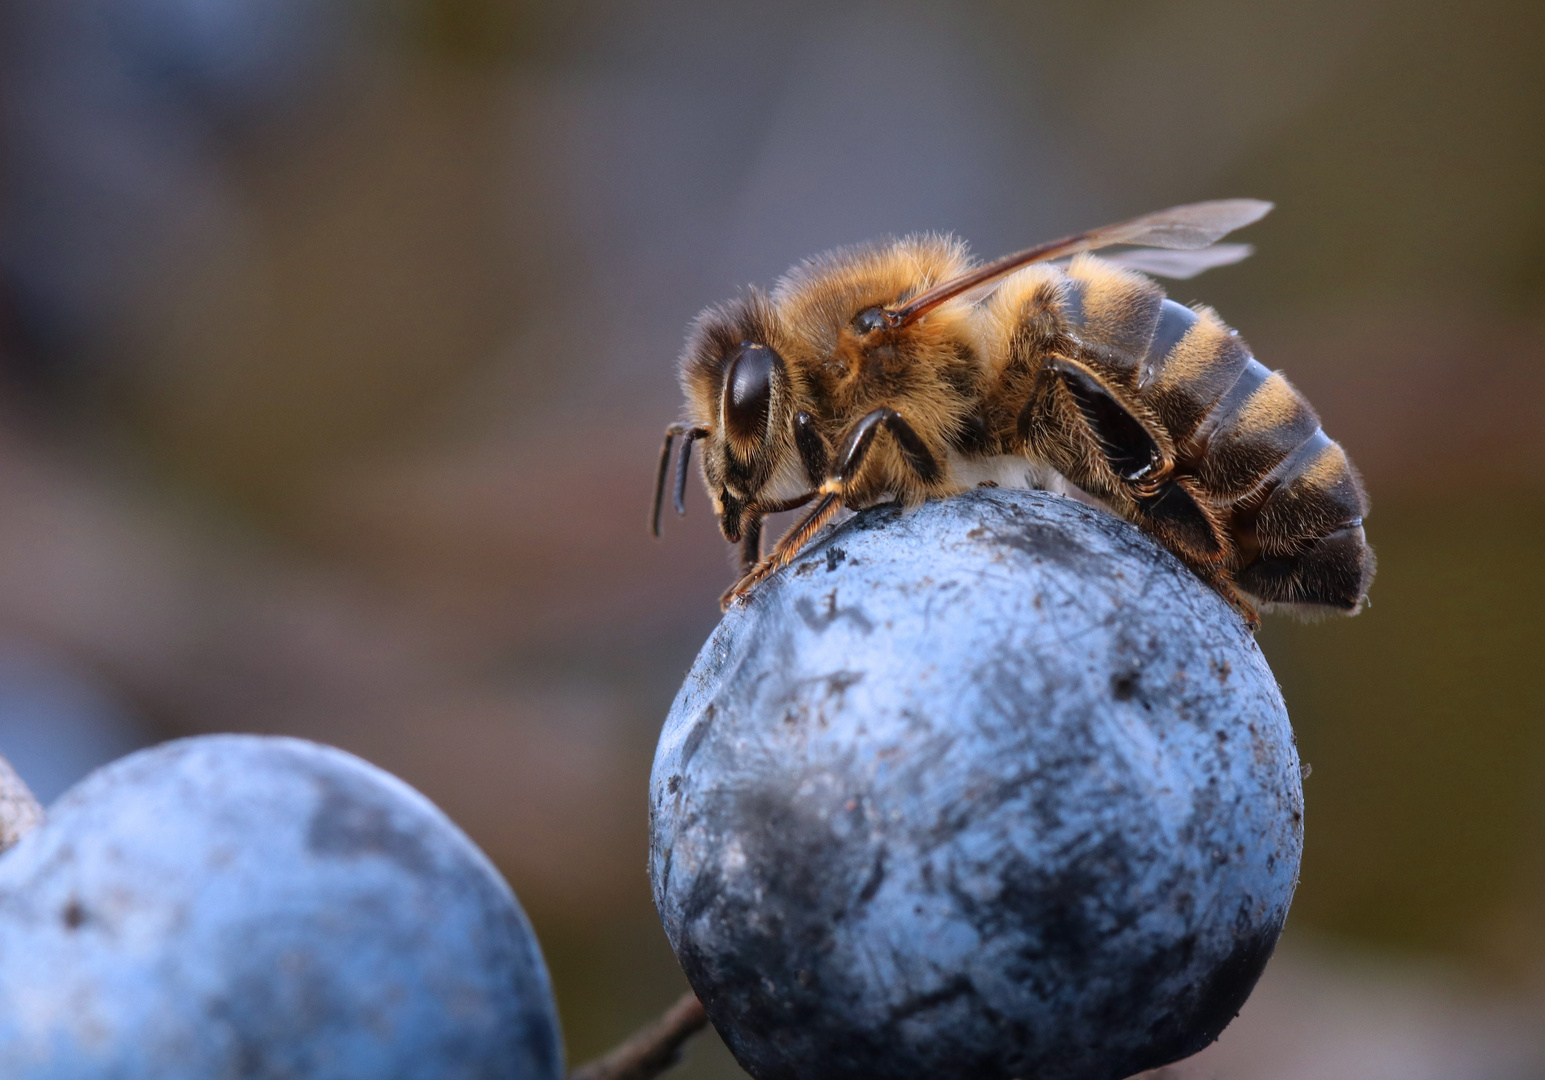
x,y
1184,228
1180,265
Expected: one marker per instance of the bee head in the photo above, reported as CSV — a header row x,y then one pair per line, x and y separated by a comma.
x,y
738,389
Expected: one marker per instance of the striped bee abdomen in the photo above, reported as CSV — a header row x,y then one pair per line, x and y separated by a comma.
x,y
1306,527
1250,431
1184,383
1290,501
1249,457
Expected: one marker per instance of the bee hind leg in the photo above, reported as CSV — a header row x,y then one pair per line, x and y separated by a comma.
x,y
1226,588
1179,518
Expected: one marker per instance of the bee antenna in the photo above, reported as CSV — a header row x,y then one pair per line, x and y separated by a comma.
x,y
659,481
683,465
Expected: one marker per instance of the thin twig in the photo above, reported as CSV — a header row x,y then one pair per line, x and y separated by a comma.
x,y
651,1050
20,813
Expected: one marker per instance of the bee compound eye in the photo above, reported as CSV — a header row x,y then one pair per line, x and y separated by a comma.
x,y
748,390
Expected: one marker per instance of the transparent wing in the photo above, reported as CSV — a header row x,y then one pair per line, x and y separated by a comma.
x,y
1185,228
1182,228
1180,265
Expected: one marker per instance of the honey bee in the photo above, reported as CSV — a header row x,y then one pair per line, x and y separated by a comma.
x,y
904,371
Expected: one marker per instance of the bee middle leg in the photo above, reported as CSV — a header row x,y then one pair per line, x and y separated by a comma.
x,y
850,462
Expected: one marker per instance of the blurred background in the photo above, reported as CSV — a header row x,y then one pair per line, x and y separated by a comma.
x,y
337,337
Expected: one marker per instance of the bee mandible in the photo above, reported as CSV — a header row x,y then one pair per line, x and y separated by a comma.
x,y
903,371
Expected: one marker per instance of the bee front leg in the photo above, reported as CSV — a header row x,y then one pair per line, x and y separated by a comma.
x,y
793,540
751,543
833,492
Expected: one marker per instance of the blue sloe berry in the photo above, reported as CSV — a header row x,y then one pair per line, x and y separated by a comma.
x,y
996,788
251,906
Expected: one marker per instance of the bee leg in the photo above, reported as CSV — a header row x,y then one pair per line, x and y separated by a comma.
x,y
1177,515
1137,462
855,448
812,448
1132,447
751,543
793,540
850,462
1230,592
